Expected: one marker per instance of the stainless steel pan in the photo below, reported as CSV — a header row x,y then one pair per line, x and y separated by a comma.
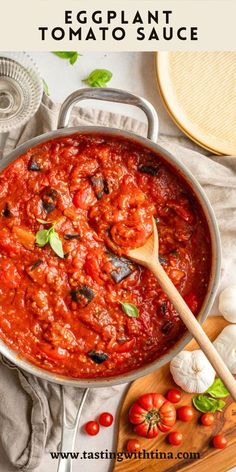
x,y
115,95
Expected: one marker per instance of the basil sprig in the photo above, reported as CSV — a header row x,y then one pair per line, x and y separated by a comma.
x,y
130,309
72,56
217,389
207,404
98,78
51,237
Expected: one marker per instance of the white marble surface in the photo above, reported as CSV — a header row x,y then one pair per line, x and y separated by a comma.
x,y
133,72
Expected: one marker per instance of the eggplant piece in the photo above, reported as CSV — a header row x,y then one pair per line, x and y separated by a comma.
x,y
100,186
6,211
33,165
36,264
123,268
167,326
82,295
98,356
148,169
163,308
106,187
49,199
68,236
162,259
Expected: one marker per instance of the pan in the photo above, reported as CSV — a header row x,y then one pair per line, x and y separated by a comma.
x,y
119,96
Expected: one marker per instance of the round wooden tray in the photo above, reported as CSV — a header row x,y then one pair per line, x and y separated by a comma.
x,y
199,92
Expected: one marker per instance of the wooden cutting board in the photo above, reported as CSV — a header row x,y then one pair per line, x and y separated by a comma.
x,y
197,437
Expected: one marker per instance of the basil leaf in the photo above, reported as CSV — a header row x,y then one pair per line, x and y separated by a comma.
x,y
42,237
130,309
45,87
217,389
72,56
98,78
56,243
207,404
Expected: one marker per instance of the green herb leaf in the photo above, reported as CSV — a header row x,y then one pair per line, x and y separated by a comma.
x,y
56,243
204,403
45,87
72,56
98,78
45,236
130,309
217,389
42,237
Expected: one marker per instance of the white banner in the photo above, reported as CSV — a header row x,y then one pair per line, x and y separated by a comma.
x,y
144,25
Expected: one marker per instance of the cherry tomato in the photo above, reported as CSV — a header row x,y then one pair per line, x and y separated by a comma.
x,y
105,419
185,413
219,441
207,419
173,395
92,428
175,438
133,445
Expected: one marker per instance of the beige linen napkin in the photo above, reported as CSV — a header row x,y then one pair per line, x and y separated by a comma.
x,y
27,430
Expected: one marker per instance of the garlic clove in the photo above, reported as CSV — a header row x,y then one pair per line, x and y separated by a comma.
x,y
192,371
225,344
227,303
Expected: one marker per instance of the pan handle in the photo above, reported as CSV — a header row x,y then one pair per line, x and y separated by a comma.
x,y
69,431
110,95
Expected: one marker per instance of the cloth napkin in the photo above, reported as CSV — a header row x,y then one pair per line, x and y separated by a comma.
x,y
25,432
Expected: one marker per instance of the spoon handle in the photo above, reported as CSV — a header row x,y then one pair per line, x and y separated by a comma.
x,y
194,327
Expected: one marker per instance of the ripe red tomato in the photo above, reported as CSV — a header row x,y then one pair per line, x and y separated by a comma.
x,y
105,419
84,197
150,413
173,395
133,445
219,441
185,413
175,438
207,419
92,428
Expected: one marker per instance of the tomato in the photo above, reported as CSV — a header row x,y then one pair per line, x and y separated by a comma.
x,y
207,419
219,441
150,413
92,428
105,419
53,352
185,413
133,445
173,395
84,198
175,438
127,346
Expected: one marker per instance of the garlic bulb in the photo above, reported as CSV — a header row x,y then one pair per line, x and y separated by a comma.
x,y
192,371
225,344
227,303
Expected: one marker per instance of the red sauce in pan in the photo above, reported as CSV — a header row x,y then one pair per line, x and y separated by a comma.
x,y
66,314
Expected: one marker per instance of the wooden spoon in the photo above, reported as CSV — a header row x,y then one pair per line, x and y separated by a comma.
x,y
147,256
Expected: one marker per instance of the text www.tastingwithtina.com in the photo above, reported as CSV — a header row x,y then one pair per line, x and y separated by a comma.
x,y
122,455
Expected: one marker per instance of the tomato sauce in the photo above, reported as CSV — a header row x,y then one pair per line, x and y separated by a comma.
x,y
65,314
